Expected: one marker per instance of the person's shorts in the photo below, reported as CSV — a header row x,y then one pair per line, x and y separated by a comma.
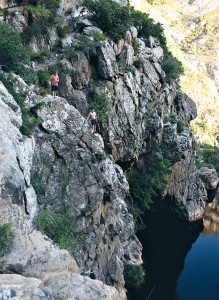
x,y
54,88
93,122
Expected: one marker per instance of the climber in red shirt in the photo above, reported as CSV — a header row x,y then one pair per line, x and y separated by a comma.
x,y
55,80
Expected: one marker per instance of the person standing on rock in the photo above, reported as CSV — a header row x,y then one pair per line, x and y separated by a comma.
x,y
55,82
93,116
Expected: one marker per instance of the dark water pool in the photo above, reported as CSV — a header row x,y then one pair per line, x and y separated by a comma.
x,y
181,259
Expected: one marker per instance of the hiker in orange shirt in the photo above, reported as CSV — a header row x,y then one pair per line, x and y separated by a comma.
x,y
55,80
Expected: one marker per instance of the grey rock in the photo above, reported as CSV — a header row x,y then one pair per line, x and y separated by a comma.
x,y
128,37
158,53
185,107
91,30
126,57
209,177
95,192
82,71
118,47
150,72
107,65
160,72
18,21
81,23
79,100
134,32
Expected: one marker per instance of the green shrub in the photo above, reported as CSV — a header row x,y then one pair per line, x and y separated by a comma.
x,y
94,159
40,56
139,62
28,74
100,103
39,188
63,30
59,226
129,69
133,275
38,11
135,45
172,66
98,36
36,30
6,13
112,18
42,19
82,42
69,52
145,182
6,238
43,77
52,4
12,53
29,123
180,126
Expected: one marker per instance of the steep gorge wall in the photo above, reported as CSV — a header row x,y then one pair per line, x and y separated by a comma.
x,y
60,155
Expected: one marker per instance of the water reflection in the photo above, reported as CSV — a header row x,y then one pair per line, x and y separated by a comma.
x,y
166,242
211,217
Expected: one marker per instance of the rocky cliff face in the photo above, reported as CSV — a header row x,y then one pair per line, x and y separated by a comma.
x,y
190,29
85,171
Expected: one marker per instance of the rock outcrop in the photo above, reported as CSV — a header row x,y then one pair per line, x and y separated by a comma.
x,y
33,254
209,177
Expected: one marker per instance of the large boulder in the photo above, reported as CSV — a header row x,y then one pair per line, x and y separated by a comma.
x,y
126,57
209,177
107,65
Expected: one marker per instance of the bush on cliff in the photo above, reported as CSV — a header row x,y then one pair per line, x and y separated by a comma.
x,y
112,18
12,52
59,226
6,238
41,19
145,182
133,275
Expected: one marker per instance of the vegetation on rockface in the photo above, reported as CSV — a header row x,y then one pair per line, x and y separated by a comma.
x,y
115,20
112,18
29,121
59,226
146,181
43,77
12,53
6,238
133,275
41,19
207,156
39,188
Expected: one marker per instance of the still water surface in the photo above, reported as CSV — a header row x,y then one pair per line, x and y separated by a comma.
x,y
181,259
